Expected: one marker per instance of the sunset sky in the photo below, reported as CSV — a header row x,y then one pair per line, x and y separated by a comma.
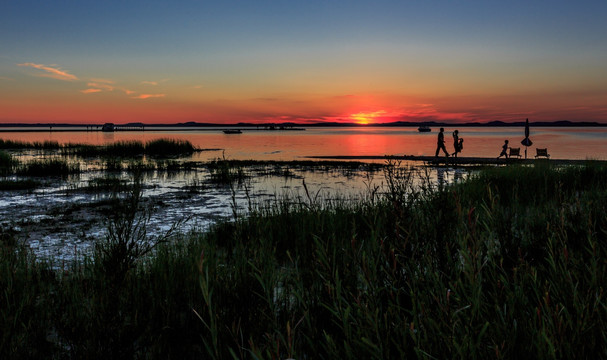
x,y
302,61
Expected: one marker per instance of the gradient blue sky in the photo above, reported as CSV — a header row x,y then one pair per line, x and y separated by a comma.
x,y
305,61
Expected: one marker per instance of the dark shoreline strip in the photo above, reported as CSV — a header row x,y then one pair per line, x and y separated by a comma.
x,y
459,160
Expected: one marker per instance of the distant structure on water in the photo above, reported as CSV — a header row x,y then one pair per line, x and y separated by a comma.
x,y
424,128
110,127
232,131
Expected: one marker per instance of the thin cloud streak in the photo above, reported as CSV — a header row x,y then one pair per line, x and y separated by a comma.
x,y
51,72
147,96
104,86
90,91
104,81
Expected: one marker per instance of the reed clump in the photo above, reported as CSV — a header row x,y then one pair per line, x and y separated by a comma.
x,y
125,149
41,145
224,171
48,167
169,147
6,163
156,148
508,262
19,184
26,285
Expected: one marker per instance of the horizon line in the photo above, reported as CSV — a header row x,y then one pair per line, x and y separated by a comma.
x,y
320,123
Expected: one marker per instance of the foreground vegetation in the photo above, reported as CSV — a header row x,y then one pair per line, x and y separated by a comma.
x,y
158,147
510,262
118,156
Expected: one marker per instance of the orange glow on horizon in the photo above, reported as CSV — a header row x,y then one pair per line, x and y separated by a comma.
x,y
365,118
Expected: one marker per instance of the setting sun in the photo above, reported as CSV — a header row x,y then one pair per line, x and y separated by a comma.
x,y
364,118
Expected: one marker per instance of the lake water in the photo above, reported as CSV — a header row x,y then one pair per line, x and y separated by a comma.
x,y
561,142
56,221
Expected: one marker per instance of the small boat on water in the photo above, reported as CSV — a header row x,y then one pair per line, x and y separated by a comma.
x,y
232,131
424,128
108,127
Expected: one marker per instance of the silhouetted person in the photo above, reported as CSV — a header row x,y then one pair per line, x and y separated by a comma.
x,y
458,144
440,143
504,150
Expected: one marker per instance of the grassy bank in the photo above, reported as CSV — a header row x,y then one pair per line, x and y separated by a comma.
x,y
509,262
156,148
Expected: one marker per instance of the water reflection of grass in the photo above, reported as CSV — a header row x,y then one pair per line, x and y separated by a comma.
x,y
48,167
6,163
508,262
14,185
106,184
224,171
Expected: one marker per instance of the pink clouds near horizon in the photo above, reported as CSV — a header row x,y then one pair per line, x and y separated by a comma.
x,y
90,91
51,71
147,96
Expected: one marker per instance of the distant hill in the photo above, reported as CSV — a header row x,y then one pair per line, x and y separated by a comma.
x,y
559,123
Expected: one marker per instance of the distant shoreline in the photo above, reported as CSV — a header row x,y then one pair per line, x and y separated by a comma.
x,y
198,126
454,161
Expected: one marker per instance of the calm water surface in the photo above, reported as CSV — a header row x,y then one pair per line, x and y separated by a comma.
x,y
38,214
562,142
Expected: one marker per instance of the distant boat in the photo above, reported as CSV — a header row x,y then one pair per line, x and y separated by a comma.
x,y
107,127
424,128
232,131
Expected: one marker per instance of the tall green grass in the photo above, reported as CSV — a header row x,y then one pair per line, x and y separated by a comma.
x,y
156,148
226,171
12,185
26,299
41,145
48,167
509,262
6,163
169,147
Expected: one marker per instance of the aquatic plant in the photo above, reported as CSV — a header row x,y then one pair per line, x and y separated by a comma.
x,y
12,185
48,167
510,261
15,144
6,163
225,172
26,299
108,183
157,148
112,164
123,149
169,147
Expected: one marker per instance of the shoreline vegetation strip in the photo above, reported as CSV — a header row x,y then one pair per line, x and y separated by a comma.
x,y
159,147
510,261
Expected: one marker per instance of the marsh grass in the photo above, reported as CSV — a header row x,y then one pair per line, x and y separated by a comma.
x,y
106,184
41,145
156,148
26,285
169,147
224,171
6,163
19,184
508,262
126,149
48,167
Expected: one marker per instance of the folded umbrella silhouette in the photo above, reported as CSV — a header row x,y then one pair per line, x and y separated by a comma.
x,y
526,141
